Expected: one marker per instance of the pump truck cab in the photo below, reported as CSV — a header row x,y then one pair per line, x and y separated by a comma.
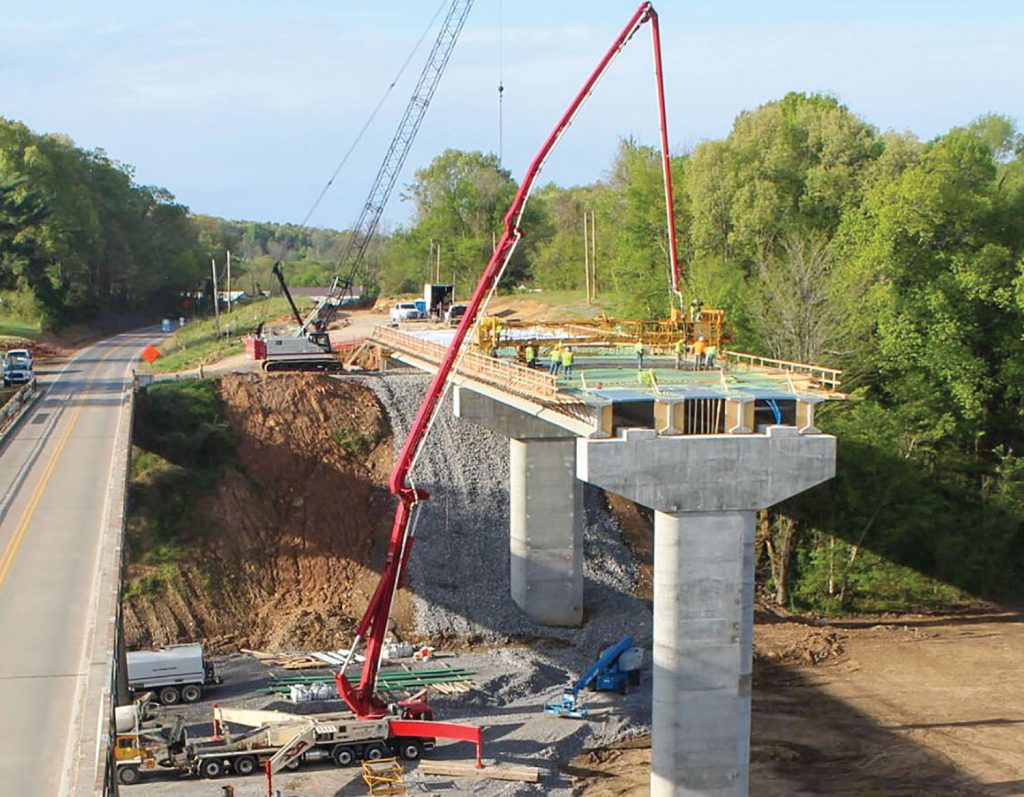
x,y
175,674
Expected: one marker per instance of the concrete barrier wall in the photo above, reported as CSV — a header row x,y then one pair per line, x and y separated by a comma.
x,y
105,677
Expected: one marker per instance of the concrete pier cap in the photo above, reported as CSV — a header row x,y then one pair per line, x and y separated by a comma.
x,y
705,491
707,473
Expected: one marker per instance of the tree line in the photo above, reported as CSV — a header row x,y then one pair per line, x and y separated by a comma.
x,y
826,240
831,242
81,240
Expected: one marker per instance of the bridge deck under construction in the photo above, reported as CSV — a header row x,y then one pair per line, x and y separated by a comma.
x,y
740,394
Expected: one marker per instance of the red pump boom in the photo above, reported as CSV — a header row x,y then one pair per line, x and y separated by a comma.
x,y
362,698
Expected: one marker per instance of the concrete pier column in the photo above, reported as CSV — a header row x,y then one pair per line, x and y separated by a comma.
x,y
703,652
546,531
545,509
704,490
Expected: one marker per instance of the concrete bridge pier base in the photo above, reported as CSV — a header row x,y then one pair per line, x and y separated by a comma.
x,y
705,490
545,513
546,531
703,652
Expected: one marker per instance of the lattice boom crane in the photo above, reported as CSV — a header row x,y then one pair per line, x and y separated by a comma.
x,y
365,227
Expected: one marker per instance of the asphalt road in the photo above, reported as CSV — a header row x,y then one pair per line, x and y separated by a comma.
x,y
55,470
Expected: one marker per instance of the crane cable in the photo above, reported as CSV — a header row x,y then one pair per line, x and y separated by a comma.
x,y
373,115
501,86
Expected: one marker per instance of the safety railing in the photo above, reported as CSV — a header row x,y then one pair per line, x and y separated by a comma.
x,y
14,406
825,378
509,376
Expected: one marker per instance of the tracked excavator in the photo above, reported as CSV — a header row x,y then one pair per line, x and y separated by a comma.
x,y
362,697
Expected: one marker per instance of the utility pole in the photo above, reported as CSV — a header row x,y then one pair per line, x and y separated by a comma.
x,y
229,281
437,278
586,255
216,297
593,254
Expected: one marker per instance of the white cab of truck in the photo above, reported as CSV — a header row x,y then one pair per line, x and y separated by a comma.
x,y
176,673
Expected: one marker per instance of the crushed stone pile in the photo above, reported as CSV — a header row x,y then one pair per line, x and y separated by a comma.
x,y
459,571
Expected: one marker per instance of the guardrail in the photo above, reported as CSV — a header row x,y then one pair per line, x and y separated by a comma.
x,y
827,378
17,404
508,376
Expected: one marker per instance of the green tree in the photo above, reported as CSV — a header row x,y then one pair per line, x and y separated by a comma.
x,y
461,199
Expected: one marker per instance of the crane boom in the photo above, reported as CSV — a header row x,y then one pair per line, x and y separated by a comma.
x,y
361,698
365,227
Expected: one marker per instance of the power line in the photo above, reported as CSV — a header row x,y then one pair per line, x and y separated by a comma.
x,y
373,115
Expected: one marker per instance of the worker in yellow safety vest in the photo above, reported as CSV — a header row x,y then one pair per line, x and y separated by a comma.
x,y
556,360
680,349
638,349
568,358
531,356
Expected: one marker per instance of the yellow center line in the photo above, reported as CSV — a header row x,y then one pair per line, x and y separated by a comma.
x,y
37,495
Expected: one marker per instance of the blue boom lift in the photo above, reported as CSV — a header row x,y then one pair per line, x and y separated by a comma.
x,y
617,667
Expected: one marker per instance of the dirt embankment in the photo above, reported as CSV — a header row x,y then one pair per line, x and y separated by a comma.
x,y
892,705
283,557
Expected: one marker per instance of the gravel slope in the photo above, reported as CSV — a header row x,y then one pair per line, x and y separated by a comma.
x,y
459,574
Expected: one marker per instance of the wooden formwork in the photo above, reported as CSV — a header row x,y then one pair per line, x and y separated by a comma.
x,y
509,376
810,377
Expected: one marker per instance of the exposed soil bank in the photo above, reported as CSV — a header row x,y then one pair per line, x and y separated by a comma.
x,y
280,556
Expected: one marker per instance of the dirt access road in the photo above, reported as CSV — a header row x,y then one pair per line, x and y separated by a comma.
x,y
909,705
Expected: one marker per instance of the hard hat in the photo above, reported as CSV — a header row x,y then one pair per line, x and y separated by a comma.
x,y
701,338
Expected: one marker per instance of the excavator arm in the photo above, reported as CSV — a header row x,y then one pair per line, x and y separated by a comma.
x,y
362,698
279,273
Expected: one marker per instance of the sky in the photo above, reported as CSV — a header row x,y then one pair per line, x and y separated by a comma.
x,y
244,108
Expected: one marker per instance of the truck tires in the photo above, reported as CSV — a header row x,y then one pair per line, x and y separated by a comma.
x,y
128,775
342,756
191,693
410,749
245,765
373,752
170,696
211,768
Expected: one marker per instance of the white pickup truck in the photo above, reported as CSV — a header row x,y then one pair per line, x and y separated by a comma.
x,y
17,367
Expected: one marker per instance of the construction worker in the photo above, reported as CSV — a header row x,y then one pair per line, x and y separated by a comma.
x,y
567,360
556,360
680,349
696,308
709,356
638,349
531,356
699,350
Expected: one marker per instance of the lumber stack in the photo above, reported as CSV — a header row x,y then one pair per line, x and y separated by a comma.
x,y
467,769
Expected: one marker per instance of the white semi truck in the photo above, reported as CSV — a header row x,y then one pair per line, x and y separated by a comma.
x,y
175,674
284,740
